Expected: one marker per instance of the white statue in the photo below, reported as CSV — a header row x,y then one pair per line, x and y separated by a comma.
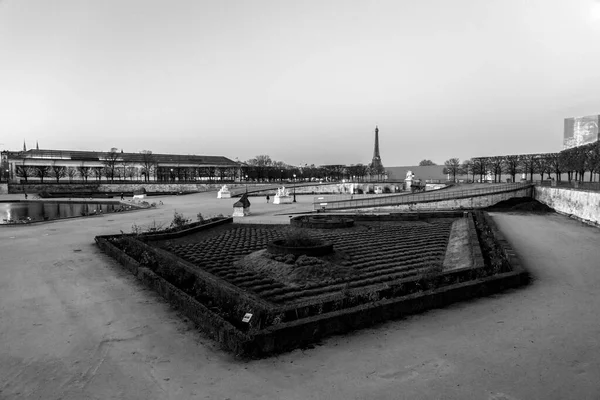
x,y
224,193
282,191
282,196
409,175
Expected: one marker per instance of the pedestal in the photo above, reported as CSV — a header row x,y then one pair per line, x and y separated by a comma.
x,y
223,194
282,199
241,211
407,184
139,196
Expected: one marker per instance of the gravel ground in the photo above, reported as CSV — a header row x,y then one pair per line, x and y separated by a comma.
x,y
75,325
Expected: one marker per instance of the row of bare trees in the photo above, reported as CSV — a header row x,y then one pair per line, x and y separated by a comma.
x,y
58,172
575,163
262,168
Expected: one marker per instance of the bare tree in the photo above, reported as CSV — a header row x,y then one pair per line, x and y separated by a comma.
x,y
111,161
84,172
71,173
542,166
130,172
148,164
58,171
480,167
528,164
452,167
467,168
496,166
555,164
42,171
98,172
512,165
25,171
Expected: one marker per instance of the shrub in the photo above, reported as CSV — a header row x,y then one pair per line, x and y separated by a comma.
x,y
199,217
136,229
294,237
154,227
179,221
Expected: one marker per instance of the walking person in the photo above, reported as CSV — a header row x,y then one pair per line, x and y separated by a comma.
x,y
268,198
122,197
25,196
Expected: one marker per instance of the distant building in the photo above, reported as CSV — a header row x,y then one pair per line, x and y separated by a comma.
x,y
92,166
580,130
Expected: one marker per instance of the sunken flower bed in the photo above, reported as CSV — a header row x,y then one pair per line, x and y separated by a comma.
x,y
257,302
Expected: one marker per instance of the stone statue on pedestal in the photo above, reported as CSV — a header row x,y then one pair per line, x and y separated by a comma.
x,y
282,196
224,193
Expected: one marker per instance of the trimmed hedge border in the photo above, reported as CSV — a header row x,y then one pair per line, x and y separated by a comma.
x,y
321,222
285,336
194,227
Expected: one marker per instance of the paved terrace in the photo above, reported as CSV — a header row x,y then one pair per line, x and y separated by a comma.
x,y
75,325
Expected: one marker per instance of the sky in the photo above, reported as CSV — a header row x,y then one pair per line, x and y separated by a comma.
x,y
301,81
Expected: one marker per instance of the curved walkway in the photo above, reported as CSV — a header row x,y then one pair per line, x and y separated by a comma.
x,y
455,192
75,325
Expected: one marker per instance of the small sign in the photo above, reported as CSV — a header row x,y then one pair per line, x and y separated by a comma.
x,y
247,317
322,204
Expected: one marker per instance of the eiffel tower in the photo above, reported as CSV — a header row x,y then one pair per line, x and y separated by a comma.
x,y
376,164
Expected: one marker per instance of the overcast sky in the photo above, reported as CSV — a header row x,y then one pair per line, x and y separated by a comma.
x,y
301,81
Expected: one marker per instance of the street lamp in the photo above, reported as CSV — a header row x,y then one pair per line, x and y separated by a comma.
x,y
294,188
172,177
246,183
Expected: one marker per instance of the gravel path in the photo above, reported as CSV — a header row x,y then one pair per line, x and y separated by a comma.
x,y
75,325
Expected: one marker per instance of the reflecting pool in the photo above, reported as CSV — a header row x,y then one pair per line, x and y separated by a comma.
x,y
31,211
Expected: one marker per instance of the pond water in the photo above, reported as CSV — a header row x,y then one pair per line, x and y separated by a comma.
x,y
31,211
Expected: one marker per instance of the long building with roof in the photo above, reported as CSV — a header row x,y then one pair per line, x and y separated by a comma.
x,y
42,165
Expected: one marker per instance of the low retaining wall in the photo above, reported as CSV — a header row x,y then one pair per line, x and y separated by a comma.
x,y
332,188
579,204
118,187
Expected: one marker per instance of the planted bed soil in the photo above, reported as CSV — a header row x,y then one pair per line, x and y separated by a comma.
x,y
377,252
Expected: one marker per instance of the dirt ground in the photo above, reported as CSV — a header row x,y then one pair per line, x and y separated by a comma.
x,y
75,325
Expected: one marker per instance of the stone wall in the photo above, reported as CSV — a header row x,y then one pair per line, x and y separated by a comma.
x,y
339,188
165,187
579,204
236,188
52,188
482,201
3,188
117,187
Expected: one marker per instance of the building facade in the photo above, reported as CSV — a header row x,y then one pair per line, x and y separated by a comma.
x,y
42,166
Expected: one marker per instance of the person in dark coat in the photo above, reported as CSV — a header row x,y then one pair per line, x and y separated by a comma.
x,y
268,198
